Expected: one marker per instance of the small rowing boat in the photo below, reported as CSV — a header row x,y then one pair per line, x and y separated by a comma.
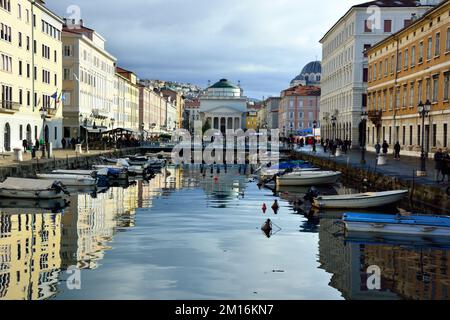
x,y
69,179
423,225
360,200
32,189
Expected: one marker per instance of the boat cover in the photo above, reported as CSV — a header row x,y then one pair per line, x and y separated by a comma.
x,y
26,184
423,220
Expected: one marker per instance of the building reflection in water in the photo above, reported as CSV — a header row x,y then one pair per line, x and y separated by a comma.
x,y
36,248
406,272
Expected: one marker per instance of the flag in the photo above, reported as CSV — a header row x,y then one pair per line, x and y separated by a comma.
x,y
55,95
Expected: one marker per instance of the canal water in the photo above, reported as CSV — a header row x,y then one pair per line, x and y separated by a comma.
x,y
183,235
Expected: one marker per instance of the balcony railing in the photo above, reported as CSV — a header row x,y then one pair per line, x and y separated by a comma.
x,y
375,116
51,112
9,106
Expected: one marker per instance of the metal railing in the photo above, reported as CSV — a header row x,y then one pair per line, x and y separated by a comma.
x,y
9,106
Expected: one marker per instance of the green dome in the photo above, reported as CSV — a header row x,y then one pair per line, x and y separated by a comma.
x,y
224,83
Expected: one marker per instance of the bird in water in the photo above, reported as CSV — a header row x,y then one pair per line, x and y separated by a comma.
x,y
264,208
275,207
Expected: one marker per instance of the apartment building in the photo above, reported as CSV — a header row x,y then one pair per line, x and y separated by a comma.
x,y
345,65
30,74
409,68
127,100
88,81
299,108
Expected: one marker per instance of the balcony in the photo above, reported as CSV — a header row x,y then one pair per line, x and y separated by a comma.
x,y
375,116
100,114
51,112
9,106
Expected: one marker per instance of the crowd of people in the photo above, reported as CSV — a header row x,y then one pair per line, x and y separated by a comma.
x,y
333,145
442,165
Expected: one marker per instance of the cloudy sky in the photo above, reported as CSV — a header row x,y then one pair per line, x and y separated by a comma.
x,y
262,43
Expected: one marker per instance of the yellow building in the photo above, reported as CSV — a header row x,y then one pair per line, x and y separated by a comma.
x,y
409,67
251,120
29,255
30,73
127,100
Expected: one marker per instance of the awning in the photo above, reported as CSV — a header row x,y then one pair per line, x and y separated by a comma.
x,y
98,129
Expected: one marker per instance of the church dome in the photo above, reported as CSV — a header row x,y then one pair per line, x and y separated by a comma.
x,y
224,83
310,75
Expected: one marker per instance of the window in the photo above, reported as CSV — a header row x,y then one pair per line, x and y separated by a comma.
x,y
365,74
404,135
437,45
5,4
386,67
5,63
67,51
430,44
20,98
413,56
392,64
445,136
397,100
366,47
418,135
20,39
434,135
411,94
405,95
446,85
20,68
5,32
435,88
407,22
447,46
368,25
420,52
56,133
28,43
387,25
28,70
66,74
19,11
420,91
399,61
406,58
28,98
410,135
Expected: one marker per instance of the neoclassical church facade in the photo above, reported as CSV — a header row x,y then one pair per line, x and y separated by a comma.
x,y
223,105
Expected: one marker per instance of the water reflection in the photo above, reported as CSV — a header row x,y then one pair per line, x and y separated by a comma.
x,y
208,226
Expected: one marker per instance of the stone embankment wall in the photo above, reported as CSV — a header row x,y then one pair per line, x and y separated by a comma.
x,y
430,195
30,168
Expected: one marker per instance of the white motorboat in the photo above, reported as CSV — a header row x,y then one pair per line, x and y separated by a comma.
x,y
423,225
269,173
309,178
69,179
132,170
32,189
91,173
360,200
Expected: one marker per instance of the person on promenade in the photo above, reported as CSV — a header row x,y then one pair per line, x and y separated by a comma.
x,y
25,145
378,148
385,147
438,164
63,143
446,167
397,149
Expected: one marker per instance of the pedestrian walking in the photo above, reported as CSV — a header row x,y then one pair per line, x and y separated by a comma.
x,y
378,148
385,147
397,149
63,143
438,164
25,145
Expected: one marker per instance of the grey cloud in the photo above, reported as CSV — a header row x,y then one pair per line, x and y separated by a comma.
x,y
262,43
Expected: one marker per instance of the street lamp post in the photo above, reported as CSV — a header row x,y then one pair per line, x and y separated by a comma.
x,y
423,109
314,135
43,113
333,122
364,116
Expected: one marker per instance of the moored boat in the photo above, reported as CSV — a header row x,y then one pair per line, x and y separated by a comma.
x,y
308,178
32,189
360,200
69,179
424,225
